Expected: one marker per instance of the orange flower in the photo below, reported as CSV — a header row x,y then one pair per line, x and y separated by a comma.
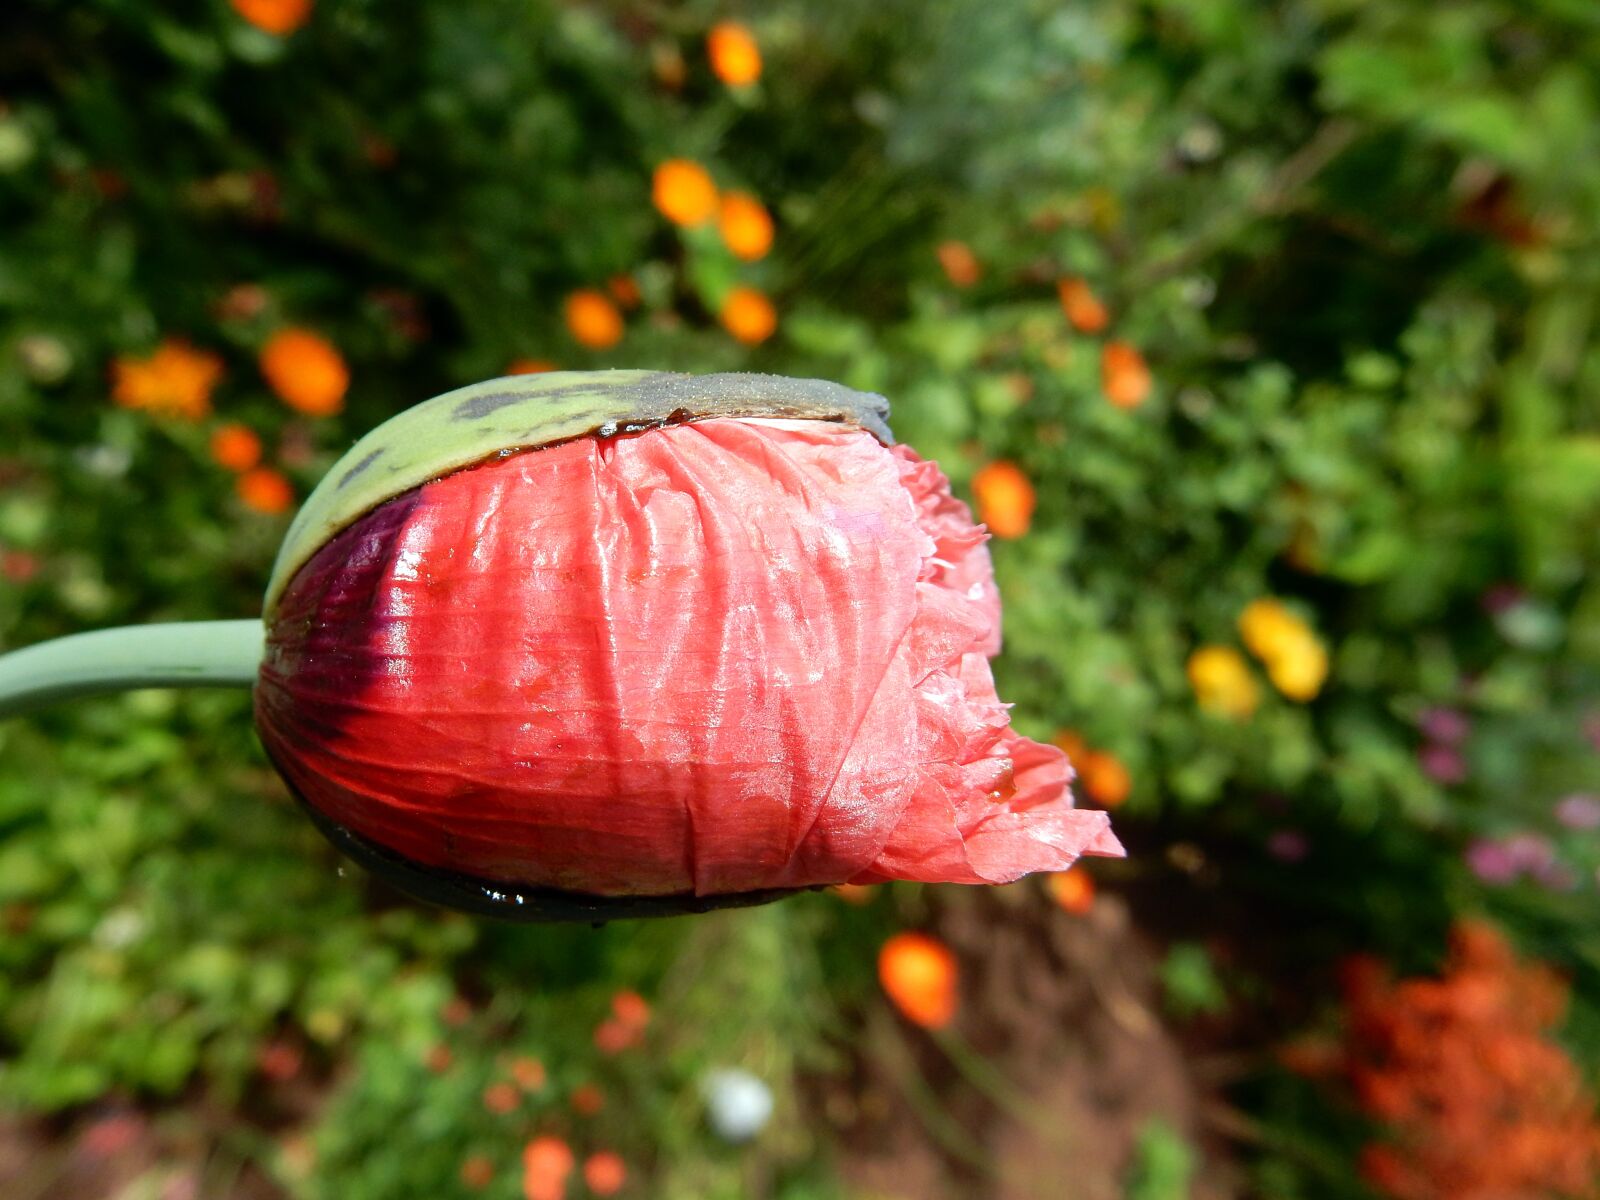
x,y
174,381
587,1099
749,316
1105,778
265,490
683,192
624,290
1072,890
1071,743
1005,499
529,1073
745,226
1123,375
631,1009
666,61
438,1059
278,17
306,371
961,265
1083,308
604,1173
593,320
735,57
1222,682
235,447
546,1163
1481,1102
613,1037
855,893
919,974
529,366
501,1098
477,1172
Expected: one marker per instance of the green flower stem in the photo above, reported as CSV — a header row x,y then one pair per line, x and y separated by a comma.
x,y
191,654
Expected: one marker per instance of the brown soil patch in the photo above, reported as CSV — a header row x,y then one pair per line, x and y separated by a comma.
x,y
1057,1061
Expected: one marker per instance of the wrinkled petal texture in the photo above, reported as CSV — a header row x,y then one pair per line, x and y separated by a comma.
x,y
715,657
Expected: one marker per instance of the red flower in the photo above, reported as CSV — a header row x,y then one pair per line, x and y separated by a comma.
x,y
717,657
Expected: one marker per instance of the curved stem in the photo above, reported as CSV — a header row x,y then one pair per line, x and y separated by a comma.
x,y
190,654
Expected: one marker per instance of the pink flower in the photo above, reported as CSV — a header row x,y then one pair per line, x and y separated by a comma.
x,y
1579,812
1530,852
1446,725
1491,862
1443,764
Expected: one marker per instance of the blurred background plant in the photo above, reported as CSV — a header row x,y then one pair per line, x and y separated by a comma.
x,y
1262,337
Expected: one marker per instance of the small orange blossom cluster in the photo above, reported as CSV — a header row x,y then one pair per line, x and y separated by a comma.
x,y
684,192
176,380
547,1163
1480,1103
1124,375
173,380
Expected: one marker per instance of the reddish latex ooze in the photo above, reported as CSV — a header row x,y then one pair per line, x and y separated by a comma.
x,y
716,657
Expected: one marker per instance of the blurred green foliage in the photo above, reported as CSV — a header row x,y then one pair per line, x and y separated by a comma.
x,y
1355,241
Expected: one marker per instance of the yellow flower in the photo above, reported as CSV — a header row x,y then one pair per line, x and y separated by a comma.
x,y
1299,670
1296,661
1268,628
1222,682
174,381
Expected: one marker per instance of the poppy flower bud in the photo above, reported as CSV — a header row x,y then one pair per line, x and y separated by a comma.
x,y
624,642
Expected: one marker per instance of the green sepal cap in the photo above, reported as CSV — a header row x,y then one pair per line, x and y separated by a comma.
x,y
523,412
